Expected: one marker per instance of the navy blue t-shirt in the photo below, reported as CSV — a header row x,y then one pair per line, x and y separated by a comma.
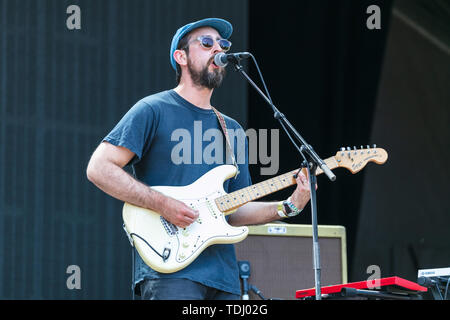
x,y
175,143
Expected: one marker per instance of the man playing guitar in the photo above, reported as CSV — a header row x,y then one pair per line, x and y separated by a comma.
x,y
143,138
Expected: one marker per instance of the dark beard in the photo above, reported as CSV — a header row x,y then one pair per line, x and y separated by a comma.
x,y
204,78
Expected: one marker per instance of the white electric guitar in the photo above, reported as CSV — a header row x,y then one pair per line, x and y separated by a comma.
x,y
167,248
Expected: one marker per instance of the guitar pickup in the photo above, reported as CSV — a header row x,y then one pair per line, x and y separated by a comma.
x,y
211,209
170,228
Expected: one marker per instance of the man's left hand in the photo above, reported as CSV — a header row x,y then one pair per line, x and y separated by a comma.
x,y
302,193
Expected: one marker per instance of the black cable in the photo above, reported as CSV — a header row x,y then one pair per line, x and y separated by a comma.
x,y
132,273
446,288
148,244
270,99
438,290
262,78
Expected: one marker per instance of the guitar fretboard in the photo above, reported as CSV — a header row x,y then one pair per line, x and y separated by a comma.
x,y
240,197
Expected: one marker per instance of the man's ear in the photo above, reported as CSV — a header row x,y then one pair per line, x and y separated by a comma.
x,y
180,57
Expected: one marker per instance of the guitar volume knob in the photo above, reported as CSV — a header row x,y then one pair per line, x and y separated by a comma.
x,y
185,233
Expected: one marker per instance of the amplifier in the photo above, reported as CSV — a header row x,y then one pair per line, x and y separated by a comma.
x,y
281,258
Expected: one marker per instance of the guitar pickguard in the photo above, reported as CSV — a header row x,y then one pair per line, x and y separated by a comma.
x,y
210,226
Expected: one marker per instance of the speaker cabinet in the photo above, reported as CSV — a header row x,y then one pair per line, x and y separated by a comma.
x,y
281,258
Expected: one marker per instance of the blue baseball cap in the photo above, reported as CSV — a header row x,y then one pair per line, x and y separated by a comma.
x,y
224,28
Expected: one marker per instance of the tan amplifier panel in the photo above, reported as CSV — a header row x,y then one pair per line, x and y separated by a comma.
x,y
281,258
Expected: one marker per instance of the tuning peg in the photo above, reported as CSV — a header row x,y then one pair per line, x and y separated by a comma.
x,y
362,147
374,146
342,148
349,153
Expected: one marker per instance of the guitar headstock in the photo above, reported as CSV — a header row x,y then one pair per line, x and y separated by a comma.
x,y
356,159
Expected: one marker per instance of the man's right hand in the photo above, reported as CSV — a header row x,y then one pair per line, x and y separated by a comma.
x,y
105,170
178,213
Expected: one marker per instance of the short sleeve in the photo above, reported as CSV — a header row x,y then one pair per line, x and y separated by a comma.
x,y
136,129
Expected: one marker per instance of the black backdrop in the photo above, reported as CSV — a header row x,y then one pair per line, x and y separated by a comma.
x,y
341,85
404,213
322,66
338,82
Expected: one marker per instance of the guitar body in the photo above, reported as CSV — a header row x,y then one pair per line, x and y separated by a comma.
x,y
167,248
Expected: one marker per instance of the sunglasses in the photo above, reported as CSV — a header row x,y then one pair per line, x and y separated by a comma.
x,y
207,42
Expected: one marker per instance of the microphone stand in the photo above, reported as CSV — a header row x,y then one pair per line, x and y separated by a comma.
x,y
305,150
245,288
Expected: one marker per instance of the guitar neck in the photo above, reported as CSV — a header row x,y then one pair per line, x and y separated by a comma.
x,y
236,199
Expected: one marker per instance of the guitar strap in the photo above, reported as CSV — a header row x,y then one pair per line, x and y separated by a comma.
x,y
223,125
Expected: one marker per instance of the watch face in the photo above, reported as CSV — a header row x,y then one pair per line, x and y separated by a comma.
x,y
287,208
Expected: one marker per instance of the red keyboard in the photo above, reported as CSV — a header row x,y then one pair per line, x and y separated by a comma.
x,y
391,284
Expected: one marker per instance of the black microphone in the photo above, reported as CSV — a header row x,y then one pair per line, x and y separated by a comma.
x,y
221,59
257,291
425,281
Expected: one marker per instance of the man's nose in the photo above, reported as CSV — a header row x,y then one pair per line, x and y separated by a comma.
x,y
216,47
